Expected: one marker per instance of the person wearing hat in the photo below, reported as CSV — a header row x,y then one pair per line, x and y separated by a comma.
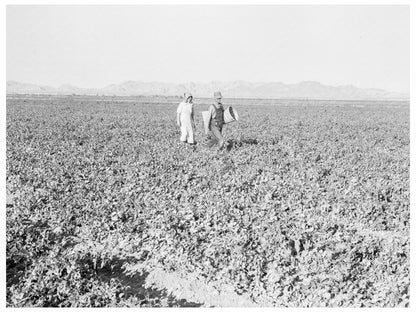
x,y
216,122
185,119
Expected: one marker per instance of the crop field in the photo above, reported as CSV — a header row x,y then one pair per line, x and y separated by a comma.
x,y
307,207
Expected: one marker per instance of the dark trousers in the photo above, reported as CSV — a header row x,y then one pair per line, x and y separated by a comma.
x,y
215,136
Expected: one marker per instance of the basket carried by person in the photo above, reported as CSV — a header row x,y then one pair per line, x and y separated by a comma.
x,y
206,117
230,115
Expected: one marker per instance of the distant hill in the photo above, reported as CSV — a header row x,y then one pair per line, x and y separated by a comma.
x,y
235,89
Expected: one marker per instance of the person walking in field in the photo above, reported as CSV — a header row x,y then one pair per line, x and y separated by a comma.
x,y
216,122
185,119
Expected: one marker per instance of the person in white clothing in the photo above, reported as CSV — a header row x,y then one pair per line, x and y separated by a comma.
x,y
185,119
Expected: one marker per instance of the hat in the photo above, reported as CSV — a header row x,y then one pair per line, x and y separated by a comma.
x,y
186,96
217,95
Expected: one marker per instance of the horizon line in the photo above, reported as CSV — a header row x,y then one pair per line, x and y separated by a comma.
x,y
206,97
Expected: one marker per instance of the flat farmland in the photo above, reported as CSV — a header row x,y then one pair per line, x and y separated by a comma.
x,y
307,207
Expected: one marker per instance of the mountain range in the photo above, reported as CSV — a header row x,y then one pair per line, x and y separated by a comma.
x,y
235,89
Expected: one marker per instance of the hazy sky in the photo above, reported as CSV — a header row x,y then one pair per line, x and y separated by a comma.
x,y
93,46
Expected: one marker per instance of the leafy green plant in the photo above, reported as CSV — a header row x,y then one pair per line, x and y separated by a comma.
x,y
309,207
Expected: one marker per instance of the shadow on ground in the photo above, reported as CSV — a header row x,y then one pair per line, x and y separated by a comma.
x,y
135,286
238,143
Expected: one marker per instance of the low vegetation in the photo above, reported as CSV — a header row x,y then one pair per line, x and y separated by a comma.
x,y
308,207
